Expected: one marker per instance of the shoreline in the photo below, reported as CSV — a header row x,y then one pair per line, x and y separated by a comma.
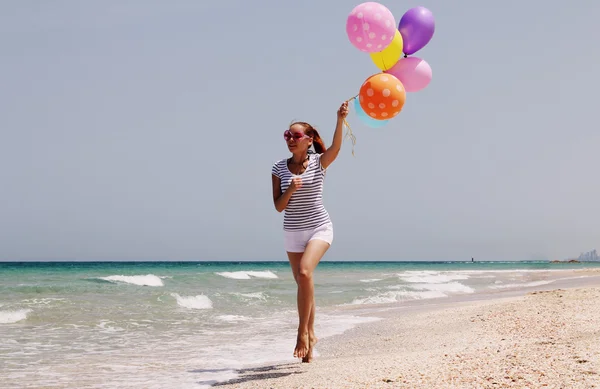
x,y
545,336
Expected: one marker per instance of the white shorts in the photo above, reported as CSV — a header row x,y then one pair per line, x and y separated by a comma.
x,y
296,241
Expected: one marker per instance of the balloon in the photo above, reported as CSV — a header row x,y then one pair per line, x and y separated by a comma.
x,y
366,118
388,57
417,27
370,27
382,96
413,72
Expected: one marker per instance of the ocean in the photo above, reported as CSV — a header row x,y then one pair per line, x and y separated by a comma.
x,y
193,324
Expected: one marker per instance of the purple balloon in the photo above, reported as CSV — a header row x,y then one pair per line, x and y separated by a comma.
x,y
416,27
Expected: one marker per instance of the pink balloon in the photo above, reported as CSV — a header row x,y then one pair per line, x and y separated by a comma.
x,y
414,73
371,27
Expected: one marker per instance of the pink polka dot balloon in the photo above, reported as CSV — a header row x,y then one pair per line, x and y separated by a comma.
x,y
371,27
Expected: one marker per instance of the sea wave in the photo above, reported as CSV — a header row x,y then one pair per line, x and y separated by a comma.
x,y
521,285
233,318
140,280
398,296
255,295
42,301
193,302
451,287
9,317
246,275
431,277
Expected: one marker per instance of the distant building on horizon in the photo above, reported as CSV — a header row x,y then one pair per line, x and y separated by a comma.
x,y
590,256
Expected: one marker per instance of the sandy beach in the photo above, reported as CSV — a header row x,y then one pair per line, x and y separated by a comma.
x,y
539,339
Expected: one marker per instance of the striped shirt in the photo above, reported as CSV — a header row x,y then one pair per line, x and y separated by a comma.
x,y
305,210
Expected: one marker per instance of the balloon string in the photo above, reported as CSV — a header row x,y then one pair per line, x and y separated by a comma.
x,y
349,133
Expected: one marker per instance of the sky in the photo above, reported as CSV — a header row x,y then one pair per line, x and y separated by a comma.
x,y
146,130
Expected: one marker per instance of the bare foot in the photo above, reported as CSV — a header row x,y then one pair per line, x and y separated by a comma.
x,y
301,345
312,340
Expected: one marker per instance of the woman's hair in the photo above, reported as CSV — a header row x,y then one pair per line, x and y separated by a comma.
x,y
309,130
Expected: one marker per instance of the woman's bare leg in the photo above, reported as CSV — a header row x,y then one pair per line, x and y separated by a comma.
x,y
303,266
295,259
312,339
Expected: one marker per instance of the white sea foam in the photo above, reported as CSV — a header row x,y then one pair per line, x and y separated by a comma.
x,y
421,285
233,318
108,326
255,295
487,271
246,275
193,302
371,280
147,280
237,275
9,317
42,301
262,274
398,296
331,325
451,287
210,378
431,277
522,285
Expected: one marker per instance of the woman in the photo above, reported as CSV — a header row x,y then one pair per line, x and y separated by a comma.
x,y
308,231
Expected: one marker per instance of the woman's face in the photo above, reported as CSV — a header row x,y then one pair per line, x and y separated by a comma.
x,y
296,139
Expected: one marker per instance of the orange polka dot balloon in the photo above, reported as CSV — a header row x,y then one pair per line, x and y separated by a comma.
x,y
382,96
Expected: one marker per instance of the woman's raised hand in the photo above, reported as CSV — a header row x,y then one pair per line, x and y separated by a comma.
x,y
343,111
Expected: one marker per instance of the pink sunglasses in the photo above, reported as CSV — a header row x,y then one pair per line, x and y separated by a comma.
x,y
287,135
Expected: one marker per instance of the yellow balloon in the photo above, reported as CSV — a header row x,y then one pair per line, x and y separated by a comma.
x,y
388,57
